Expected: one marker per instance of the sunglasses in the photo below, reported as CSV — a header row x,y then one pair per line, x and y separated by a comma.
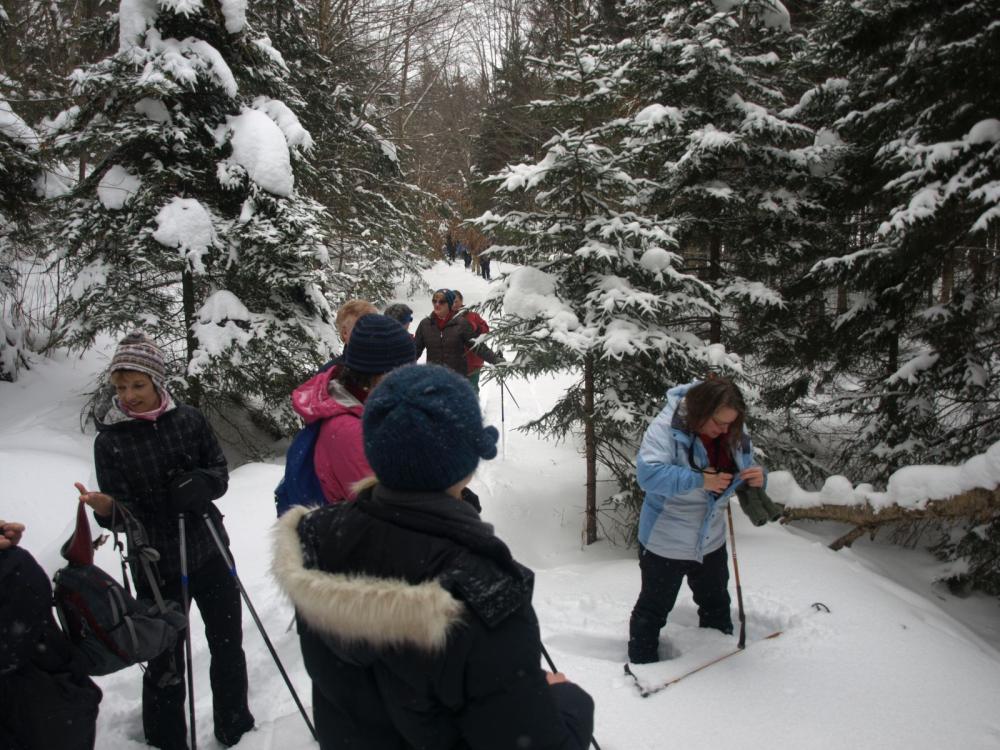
x,y
439,301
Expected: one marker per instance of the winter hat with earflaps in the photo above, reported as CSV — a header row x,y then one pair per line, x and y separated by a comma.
x,y
423,430
136,352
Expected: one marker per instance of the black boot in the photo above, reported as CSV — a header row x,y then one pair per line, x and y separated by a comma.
x,y
643,640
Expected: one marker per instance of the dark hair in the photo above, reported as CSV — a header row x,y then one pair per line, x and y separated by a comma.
x,y
458,294
399,311
710,395
357,381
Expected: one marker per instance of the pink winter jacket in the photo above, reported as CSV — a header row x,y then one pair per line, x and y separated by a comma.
x,y
339,454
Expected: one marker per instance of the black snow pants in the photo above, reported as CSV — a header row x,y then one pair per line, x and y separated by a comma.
x,y
661,582
215,592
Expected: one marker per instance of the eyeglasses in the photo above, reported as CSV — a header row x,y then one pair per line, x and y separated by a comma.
x,y
439,301
722,425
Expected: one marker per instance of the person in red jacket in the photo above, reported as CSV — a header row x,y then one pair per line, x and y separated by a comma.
x,y
479,326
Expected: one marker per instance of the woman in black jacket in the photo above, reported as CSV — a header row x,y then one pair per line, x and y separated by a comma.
x,y
446,336
416,623
160,459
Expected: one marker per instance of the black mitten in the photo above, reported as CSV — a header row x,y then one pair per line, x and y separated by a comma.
x,y
190,492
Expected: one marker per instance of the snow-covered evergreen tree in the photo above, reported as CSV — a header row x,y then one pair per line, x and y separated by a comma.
x,y
189,222
356,171
722,156
19,171
917,339
601,293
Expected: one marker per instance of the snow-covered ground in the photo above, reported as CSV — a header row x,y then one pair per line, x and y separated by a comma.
x,y
897,662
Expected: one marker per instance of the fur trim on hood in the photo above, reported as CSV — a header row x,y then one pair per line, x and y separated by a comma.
x,y
357,608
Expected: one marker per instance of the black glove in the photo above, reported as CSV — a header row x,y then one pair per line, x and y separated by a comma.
x,y
472,499
190,492
758,506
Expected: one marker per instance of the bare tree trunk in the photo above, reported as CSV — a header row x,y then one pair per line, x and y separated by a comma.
x,y
947,278
714,273
405,72
188,304
590,448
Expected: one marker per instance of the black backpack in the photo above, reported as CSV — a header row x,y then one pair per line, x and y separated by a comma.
x,y
107,624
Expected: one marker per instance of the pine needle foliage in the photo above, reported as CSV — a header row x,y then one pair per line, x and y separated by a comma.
x,y
600,293
917,340
189,223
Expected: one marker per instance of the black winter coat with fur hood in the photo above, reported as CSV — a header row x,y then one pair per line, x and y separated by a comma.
x,y
417,629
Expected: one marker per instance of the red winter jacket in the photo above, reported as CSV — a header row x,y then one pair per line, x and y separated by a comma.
x,y
479,326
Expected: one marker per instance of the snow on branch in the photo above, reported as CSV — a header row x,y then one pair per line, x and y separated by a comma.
x,y
968,491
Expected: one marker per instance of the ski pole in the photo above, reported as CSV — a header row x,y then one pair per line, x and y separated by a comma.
x,y
260,626
503,426
552,668
739,589
507,388
185,594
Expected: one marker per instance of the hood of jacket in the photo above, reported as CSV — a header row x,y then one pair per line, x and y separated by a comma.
x,y
322,396
108,413
360,608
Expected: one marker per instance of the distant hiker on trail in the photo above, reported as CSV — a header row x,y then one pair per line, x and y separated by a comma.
x,y
687,463
473,361
419,630
401,313
446,336
337,396
46,698
449,248
466,255
484,264
160,459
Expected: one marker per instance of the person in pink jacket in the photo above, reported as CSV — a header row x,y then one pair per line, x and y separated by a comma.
x,y
378,344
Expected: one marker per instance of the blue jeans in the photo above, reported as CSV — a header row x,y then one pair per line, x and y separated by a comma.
x,y
661,582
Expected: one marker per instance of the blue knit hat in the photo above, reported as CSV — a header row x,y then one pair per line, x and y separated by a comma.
x,y
447,294
377,345
423,430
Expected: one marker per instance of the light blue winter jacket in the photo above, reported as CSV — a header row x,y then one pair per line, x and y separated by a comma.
x,y
679,518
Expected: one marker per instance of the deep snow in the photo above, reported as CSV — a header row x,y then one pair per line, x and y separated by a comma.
x,y
893,665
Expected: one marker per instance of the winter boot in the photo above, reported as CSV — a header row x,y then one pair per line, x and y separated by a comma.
x,y
643,640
